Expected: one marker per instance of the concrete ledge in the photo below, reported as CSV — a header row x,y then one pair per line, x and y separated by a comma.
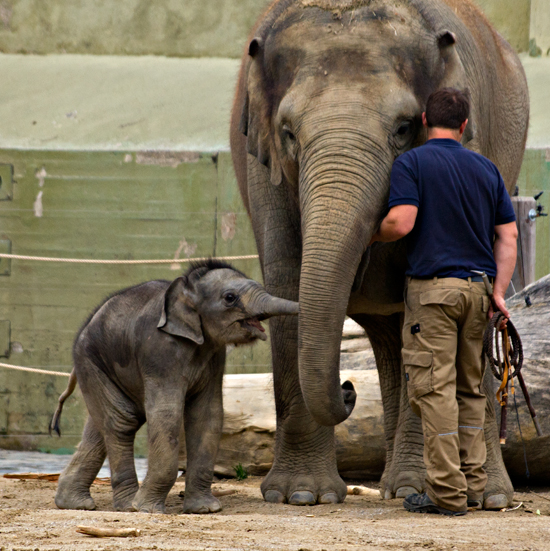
x,y
110,103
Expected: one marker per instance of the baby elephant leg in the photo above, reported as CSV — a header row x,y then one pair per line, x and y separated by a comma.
x,y
203,428
164,418
73,488
118,418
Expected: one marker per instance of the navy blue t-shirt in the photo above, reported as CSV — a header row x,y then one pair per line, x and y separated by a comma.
x,y
460,197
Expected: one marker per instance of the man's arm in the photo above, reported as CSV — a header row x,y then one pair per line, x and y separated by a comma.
x,y
505,252
397,224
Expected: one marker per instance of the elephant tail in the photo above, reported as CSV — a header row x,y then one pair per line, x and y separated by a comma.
x,y
54,423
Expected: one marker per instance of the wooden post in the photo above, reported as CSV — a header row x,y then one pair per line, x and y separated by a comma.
x,y
524,273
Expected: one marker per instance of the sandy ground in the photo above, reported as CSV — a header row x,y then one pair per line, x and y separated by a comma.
x,y
29,520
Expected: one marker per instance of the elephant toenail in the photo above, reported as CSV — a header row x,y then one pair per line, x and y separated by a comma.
x,y
497,501
405,491
273,496
329,497
388,494
302,498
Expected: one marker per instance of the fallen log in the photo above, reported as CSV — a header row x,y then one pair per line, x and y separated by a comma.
x,y
533,325
249,424
249,427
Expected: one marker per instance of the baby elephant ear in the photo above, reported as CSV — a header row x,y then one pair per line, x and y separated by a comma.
x,y
179,316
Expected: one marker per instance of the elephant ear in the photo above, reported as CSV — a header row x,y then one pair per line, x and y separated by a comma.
x,y
255,121
179,315
454,75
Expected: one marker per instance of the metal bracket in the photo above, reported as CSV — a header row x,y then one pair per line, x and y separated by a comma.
x,y
538,211
5,263
6,182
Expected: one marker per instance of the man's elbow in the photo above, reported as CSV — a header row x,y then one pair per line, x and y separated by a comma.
x,y
404,228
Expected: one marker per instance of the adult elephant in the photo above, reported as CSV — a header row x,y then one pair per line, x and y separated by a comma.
x,y
329,94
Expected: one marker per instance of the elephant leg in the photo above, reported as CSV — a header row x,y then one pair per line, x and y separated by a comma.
x,y
304,466
404,472
203,429
118,419
73,488
119,439
499,492
164,402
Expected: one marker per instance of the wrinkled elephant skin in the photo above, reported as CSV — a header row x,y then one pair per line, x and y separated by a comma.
x,y
329,94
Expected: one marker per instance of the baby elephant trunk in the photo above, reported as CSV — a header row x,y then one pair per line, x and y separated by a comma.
x,y
263,305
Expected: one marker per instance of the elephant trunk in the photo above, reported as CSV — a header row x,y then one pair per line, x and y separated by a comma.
x,y
341,205
263,305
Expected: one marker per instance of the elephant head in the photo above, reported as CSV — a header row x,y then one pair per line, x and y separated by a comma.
x,y
215,300
335,92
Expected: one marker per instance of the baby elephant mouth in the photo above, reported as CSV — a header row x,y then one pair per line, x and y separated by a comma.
x,y
254,325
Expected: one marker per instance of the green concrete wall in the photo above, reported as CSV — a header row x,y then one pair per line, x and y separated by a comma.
x,y
511,19
184,28
540,27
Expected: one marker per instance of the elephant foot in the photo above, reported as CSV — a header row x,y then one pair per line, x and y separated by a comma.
x,y
123,499
402,484
70,495
499,493
201,505
285,486
74,500
496,502
142,504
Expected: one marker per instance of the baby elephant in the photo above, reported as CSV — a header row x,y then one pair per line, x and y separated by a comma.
x,y
156,352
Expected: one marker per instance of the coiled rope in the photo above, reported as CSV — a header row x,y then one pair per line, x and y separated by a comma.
x,y
505,367
515,351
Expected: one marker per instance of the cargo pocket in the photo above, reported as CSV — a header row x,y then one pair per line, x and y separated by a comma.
x,y
437,306
419,370
446,297
477,327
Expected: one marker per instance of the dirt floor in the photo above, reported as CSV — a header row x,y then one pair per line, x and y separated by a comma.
x,y
29,521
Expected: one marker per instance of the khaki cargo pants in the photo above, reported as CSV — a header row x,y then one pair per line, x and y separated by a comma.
x,y
445,320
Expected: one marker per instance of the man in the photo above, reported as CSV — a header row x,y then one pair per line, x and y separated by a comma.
x,y
453,206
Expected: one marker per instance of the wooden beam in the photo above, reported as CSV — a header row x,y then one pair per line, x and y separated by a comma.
x,y
524,273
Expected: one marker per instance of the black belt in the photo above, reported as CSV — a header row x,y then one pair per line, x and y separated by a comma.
x,y
473,279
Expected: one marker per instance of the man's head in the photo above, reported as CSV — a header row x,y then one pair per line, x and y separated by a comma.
x,y
447,111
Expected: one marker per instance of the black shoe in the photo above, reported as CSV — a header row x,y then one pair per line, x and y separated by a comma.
x,y
421,503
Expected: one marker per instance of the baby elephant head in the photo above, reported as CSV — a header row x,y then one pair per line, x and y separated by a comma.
x,y
215,300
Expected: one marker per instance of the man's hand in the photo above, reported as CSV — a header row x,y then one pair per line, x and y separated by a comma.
x,y
501,305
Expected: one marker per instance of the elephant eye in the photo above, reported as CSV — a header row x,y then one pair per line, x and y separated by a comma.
x,y
230,298
287,133
404,128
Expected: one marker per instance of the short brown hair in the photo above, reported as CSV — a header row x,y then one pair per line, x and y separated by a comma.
x,y
447,108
